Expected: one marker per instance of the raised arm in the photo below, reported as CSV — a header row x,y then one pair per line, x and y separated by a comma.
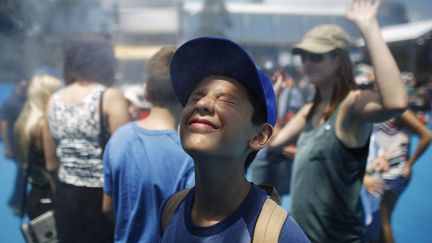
x,y
392,97
290,132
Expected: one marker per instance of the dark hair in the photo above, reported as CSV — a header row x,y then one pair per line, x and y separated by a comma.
x,y
88,57
343,85
293,73
259,116
159,87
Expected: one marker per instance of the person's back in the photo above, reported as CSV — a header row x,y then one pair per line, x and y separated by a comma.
x,y
10,109
144,168
74,125
76,121
75,129
28,135
144,161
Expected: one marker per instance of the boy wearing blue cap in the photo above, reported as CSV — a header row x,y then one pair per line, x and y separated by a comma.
x,y
229,114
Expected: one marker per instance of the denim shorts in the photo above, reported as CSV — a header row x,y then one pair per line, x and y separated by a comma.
x,y
396,185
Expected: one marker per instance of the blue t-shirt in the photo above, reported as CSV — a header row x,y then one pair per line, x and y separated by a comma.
x,y
237,228
142,168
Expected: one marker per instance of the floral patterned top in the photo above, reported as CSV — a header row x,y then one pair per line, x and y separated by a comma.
x,y
76,130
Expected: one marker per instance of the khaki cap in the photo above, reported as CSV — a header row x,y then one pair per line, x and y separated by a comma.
x,y
322,39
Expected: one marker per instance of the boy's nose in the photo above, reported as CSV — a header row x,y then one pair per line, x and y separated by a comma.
x,y
205,105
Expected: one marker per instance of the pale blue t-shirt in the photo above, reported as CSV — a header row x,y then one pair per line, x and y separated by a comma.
x,y
142,168
237,228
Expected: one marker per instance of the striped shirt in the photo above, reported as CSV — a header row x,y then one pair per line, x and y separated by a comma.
x,y
391,142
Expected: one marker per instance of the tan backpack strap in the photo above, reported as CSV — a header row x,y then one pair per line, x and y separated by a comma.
x,y
171,206
271,191
270,222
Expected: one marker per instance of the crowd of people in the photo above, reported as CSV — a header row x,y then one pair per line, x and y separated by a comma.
x,y
166,161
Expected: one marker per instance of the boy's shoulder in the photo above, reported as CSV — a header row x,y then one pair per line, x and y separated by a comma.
x,y
252,216
291,232
122,137
124,129
134,128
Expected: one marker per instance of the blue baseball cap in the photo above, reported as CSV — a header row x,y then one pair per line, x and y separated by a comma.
x,y
207,56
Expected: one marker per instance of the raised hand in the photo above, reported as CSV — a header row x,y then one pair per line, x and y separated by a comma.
x,y
363,13
289,151
279,81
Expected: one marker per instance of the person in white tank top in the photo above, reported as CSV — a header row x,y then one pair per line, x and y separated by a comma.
x,y
75,153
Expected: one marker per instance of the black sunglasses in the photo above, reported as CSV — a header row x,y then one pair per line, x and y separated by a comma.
x,y
313,57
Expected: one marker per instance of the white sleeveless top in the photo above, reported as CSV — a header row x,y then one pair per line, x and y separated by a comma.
x,y
76,130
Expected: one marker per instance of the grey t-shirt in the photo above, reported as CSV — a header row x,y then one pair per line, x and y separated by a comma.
x,y
326,181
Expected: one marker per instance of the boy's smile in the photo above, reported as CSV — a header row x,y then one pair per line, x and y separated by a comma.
x,y
200,125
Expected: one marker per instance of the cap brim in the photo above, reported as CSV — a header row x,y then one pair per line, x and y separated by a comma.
x,y
312,47
208,56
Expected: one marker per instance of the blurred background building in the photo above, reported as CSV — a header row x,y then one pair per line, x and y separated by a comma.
x,y
32,31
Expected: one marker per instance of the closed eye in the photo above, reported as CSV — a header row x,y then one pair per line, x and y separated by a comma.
x,y
195,97
229,100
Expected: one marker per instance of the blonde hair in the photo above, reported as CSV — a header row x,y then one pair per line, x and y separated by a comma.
x,y
39,91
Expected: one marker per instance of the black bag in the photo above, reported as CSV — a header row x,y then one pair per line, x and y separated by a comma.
x,y
41,229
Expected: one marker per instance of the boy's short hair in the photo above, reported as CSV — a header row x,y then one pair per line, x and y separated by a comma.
x,y
88,57
208,56
159,87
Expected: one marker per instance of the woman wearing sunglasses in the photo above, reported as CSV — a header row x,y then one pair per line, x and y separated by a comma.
x,y
333,130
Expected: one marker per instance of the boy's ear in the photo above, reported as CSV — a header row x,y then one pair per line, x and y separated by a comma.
x,y
262,137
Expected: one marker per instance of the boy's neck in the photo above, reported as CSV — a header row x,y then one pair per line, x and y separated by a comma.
x,y
159,119
219,192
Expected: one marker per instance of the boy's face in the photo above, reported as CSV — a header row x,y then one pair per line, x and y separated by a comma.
x,y
217,119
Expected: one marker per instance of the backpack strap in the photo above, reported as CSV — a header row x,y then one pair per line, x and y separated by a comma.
x,y
270,222
272,192
171,206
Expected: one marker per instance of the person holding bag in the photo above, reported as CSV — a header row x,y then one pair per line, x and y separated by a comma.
x,y
28,134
